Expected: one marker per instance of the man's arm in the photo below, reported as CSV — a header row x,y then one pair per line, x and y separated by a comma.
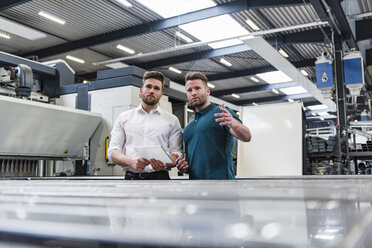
x,y
237,129
175,142
119,158
115,151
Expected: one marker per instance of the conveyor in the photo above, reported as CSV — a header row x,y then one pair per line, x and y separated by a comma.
x,y
254,212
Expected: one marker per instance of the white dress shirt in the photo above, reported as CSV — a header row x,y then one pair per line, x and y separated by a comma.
x,y
136,127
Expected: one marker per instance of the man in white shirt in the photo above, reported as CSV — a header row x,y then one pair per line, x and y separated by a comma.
x,y
146,125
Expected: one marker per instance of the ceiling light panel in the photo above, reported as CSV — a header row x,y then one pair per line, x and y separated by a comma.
x,y
293,90
52,17
226,27
3,35
183,37
225,62
284,54
274,77
124,3
317,107
175,70
252,25
81,61
20,30
170,8
125,49
210,85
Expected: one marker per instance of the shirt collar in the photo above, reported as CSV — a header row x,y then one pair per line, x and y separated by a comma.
x,y
206,109
157,110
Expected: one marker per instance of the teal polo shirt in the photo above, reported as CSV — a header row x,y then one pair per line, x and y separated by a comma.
x,y
209,146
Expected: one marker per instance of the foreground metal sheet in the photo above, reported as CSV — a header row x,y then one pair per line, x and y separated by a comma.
x,y
34,129
272,212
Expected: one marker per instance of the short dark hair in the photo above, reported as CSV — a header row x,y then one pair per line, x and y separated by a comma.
x,y
196,75
155,75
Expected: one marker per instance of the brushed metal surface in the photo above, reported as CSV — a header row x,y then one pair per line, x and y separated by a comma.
x,y
312,211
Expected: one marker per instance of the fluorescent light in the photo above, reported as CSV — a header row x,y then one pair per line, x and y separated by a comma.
x,y
284,54
170,8
321,118
75,59
274,77
85,81
116,65
252,24
235,95
183,37
313,114
225,62
125,3
293,90
238,113
175,70
304,73
304,108
317,107
125,49
323,113
355,120
212,86
322,236
275,91
52,17
254,79
190,110
20,30
6,36
254,104
290,100
225,27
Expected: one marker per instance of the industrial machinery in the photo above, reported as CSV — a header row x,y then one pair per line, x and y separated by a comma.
x,y
33,132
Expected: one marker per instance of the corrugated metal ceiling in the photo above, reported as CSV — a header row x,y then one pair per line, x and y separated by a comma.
x,y
88,18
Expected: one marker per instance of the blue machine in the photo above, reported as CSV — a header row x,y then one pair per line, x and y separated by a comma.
x,y
324,75
353,72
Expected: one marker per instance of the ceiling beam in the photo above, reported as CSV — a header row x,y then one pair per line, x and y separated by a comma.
x,y
6,4
221,9
309,36
253,71
256,88
271,99
339,14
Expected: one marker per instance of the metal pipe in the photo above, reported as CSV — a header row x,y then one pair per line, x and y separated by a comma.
x,y
41,168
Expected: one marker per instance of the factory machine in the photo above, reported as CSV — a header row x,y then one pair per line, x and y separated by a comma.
x,y
34,132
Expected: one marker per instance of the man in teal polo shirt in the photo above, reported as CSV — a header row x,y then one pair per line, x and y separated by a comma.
x,y
209,137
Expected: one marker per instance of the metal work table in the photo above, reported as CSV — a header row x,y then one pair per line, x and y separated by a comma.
x,y
254,212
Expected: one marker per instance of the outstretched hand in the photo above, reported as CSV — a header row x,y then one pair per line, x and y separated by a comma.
x,y
225,118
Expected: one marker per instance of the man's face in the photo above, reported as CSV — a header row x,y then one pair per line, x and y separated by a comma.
x,y
197,92
151,91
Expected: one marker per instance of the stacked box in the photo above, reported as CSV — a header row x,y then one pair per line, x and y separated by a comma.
x,y
320,145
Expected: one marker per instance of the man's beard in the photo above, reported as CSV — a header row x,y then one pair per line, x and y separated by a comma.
x,y
150,101
199,103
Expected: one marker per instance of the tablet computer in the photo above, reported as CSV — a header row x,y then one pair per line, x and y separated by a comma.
x,y
155,152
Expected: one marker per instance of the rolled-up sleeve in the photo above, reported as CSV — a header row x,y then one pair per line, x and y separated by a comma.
x,y
118,137
175,138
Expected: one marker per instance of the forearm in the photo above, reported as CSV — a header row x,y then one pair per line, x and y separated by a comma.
x,y
240,131
119,158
